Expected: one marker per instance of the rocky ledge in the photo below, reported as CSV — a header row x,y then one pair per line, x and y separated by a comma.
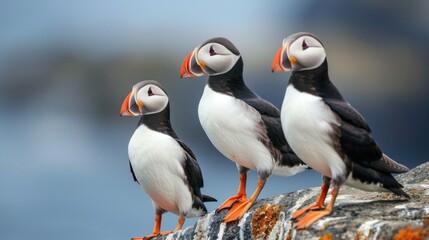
x,y
357,215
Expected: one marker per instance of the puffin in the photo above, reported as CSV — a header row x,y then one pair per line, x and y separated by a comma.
x,y
326,132
159,161
241,125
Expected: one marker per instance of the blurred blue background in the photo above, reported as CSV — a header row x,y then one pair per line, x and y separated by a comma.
x,y
66,66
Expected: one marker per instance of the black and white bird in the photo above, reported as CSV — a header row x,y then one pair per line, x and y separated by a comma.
x,y
325,131
162,164
242,126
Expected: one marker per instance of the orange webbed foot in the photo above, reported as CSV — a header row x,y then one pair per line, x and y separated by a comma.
x,y
238,211
300,212
311,217
239,197
318,205
231,201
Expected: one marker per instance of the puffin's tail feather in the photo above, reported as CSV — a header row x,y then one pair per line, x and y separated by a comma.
x,y
207,198
399,192
380,178
386,164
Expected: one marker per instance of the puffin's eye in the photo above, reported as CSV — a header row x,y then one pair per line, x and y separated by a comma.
x,y
212,51
149,92
304,45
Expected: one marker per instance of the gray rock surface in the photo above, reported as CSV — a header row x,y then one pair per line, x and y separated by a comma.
x,y
357,215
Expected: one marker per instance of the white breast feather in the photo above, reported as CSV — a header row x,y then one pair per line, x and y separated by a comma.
x,y
157,160
232,127
306,122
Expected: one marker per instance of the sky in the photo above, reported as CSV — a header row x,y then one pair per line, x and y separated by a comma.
x,y
65,68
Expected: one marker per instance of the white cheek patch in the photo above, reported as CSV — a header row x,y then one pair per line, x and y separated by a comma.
x,y
221,63
311,58
154,104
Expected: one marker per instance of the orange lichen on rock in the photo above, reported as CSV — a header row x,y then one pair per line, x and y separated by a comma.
x,y
264,219
409,234
361,236
426,221
328,236
414,191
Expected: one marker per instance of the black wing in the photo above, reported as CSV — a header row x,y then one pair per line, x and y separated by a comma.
x,y
347,113
271,118
192,170
264,107
356,139
132,172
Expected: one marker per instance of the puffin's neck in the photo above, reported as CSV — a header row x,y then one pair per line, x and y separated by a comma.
x,y
158,121
230,82
315,81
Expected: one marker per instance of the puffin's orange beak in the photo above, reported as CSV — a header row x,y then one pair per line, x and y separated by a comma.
x,y
125,107
190,66
277,65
